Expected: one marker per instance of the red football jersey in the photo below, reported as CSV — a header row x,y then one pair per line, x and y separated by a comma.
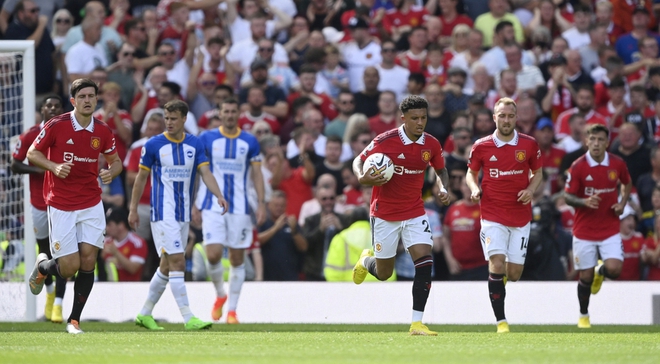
x,y
506,172
586,177
562,129
134,248
608,111
378,126
125,118
414,17
435,75
601,97
134,166
353,196
401,198
654,270
203,122
152,101
567,218
63,140
551,160
246,121
415,62
448,26
463,222
631,248
36,179
561,101
327,107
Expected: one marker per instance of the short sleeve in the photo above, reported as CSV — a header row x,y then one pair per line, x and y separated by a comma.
x,y
535,162
573,180
255,151
147,159
438,160
474,163
200,154
45,138
373,147
109,146
20,151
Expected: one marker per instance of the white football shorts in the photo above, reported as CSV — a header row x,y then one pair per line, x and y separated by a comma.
x,y
506,240
170,237
385,235
585,252
69,228
231,230
40,223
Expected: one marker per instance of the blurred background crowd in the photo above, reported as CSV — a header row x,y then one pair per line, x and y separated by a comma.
x,y
321,78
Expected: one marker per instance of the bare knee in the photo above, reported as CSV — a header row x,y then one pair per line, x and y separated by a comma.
x,y
497,264
613,268
213,253
236,257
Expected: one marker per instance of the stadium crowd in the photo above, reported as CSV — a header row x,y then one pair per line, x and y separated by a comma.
x,y
316,80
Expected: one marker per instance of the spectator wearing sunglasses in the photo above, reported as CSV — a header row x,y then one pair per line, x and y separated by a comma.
x,y
346,107
62,22
123,73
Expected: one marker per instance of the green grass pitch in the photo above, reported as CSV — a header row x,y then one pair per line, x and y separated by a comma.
x,y
47,343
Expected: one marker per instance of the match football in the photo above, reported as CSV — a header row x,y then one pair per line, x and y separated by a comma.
x,y
381,164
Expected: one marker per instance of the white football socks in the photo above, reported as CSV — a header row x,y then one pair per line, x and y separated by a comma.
x,y
417,316
178,287
236,279
217,272
156,289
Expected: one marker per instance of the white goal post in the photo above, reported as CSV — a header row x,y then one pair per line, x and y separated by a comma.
x,y
25,78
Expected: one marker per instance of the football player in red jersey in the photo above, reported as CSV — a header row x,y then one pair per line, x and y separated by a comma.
x,y
591,187
507,158
50,108
397,209
68,149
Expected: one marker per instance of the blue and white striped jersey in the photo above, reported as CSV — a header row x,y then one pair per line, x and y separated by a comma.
x,y
231,157
173,165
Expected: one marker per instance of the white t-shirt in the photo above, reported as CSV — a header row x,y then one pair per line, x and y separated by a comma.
x,y
180,74
240,29
319,148
245,51
357,60
576,39
569,144
395,80
82,58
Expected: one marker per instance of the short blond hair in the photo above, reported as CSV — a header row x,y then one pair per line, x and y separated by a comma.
x,y
111,86
506,101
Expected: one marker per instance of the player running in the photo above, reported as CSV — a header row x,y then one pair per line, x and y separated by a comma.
x,y
231,152
511,162
72,143
397,209
591,188
50,108
172,158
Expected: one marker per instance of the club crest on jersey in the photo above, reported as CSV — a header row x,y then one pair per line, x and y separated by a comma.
x,y
56,246
612,175
521,156
96,143
378,247
426,155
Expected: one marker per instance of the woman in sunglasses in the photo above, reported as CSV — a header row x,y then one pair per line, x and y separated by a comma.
x,y
62,22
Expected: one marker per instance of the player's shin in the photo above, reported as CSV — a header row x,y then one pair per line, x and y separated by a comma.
x,y
49,267
497,294
156,289
178,287
236,279
60,288
217,272
370,264
584,293
421,286
81,291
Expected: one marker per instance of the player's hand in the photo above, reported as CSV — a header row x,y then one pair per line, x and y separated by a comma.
x,y
261,214
475,196
525,196
592,202
223,203
106,176
618,208
371,178
62,170
133,219
444,196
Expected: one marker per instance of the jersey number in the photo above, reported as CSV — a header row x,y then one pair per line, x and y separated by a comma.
x,y
426,226
243,234
523,243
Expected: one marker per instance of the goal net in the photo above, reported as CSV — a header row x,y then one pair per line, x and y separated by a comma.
x,y
17,243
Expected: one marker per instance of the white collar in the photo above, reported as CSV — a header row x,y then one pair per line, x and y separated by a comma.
x,y
406,141
593,163
500,144
78,127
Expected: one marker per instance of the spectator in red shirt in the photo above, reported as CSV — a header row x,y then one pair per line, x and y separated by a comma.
x,y
117,119
119,15
633,244
461,242
449,16
404,17
387,113
124,251
615,108
255,113
651,254
584,104
414,58
551,154
296,183
322,101
177,31
604,16
147,96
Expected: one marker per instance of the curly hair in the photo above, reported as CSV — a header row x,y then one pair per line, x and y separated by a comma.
x,y
413,102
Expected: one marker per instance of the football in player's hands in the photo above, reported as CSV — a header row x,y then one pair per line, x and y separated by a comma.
x,y
381,164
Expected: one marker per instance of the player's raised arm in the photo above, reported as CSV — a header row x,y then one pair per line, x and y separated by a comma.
x,y
472,180
212,185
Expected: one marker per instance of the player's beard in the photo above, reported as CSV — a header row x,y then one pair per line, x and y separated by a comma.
x,y
501,130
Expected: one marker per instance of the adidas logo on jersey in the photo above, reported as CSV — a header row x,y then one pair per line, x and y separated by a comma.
x,y
493,159
70,141
401,156
589,178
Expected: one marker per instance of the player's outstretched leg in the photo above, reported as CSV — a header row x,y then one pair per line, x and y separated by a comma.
x,y
81,291
600,272
236,279
156,289
362,267
60,288
584,293
38,276
420,293
497,293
